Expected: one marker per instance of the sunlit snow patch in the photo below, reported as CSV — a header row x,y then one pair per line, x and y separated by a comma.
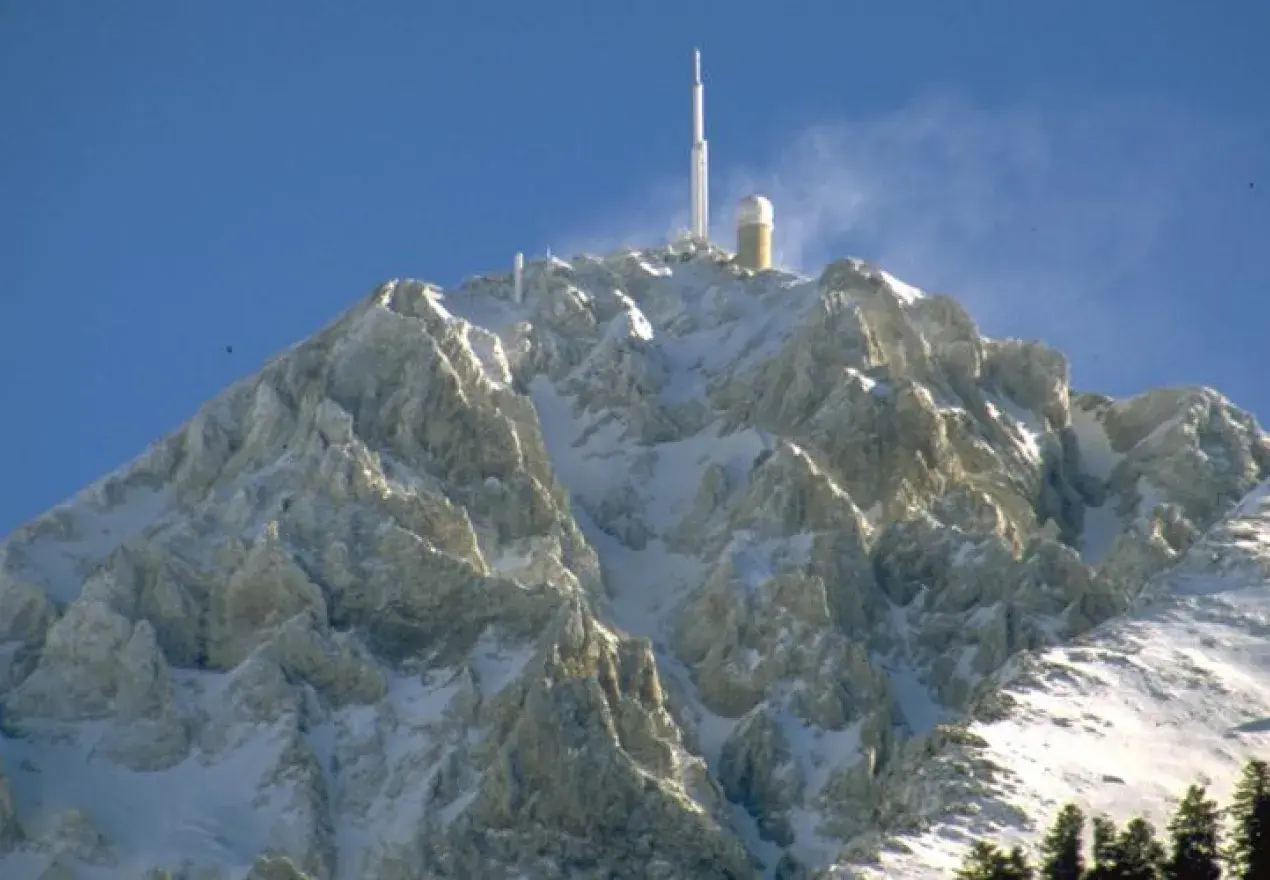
x,y
906,292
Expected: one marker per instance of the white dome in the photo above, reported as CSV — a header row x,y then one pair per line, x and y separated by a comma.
x,y
753,210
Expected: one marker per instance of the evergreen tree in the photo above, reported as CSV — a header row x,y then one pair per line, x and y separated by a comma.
x,y
980,862
1133,853
1139,856
986,861
1106,850
1017,866
1194,834
1248,854
1062,856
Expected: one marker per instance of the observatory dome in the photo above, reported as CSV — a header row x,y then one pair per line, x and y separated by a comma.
x,y
754,210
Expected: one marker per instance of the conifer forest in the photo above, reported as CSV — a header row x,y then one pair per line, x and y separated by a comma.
x,y
1202,841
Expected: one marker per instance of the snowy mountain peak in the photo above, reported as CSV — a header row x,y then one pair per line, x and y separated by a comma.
x,y
672,568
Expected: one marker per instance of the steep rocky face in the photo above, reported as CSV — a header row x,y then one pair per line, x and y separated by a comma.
x,y
1120,721
669,571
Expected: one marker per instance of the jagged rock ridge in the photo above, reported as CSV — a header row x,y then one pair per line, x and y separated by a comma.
x,y
672,570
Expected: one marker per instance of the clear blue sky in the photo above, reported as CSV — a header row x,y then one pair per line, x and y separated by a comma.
x,y
176,178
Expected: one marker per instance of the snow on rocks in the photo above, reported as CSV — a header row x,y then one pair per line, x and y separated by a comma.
x,y
672,566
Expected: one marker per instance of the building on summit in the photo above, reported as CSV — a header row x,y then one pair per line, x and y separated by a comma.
x,y
754,218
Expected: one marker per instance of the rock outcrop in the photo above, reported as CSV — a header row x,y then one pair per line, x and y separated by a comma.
x,y
674,570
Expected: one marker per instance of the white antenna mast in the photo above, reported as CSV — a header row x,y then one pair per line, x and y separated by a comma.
x,y
518,278
700,184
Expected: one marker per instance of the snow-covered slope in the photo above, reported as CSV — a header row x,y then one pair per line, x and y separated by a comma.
x,y
671,570
1122,720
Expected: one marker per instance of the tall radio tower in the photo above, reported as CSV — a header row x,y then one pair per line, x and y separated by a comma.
x,y
700,184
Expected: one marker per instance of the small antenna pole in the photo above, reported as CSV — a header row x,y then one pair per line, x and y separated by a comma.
x,y
700,195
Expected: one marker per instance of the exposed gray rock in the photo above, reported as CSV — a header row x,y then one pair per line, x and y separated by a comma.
x,y
273,867
268,589
26,612
759,771
357,601
75,837
11,833
81,666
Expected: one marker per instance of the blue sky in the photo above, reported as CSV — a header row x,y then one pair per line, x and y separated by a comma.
x,y
176,178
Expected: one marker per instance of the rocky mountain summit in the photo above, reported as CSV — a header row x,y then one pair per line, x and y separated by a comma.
x,y
672,570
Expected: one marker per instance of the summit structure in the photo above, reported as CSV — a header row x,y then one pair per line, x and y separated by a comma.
x,y
754,212
700,176
754,216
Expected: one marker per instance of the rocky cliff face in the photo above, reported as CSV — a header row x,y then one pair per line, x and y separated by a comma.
x,y
665,572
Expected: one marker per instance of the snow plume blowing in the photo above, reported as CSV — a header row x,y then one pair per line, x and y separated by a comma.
x,y
1046,220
